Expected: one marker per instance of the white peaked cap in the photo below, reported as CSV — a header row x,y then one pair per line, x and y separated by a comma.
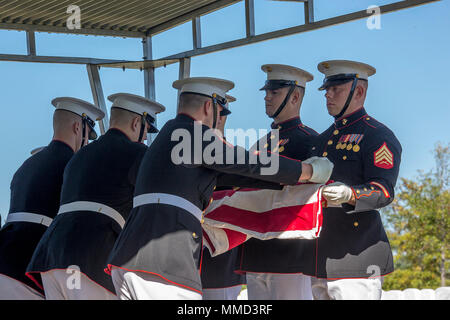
x,y
289,73
136,104
36,150
78,107
336,67
204,85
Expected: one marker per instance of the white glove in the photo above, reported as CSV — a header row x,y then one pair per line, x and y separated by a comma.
x,y
337,193
322,169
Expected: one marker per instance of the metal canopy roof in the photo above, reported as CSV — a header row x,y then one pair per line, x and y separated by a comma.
x,y
143,19
128,18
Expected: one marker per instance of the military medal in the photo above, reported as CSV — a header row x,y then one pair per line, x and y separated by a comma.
x,y
344,145
351,140
356,147
340,145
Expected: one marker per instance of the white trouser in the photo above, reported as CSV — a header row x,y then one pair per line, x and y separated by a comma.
x,y
270,286
230,293
145,286
347,289
70,284
11,289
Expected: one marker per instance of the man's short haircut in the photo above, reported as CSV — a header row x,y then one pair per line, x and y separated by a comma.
x,y
62,119
121,117
364,84
191,101
302,91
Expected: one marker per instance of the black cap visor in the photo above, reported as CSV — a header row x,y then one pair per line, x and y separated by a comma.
x,y
91,124
277,84
337,80
151,124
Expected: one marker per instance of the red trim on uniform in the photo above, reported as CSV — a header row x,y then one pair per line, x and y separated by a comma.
x,y
40,293
379,185
110,266
348,115
305,131
32,278
363,195
351,123
201,259
369,124
296,117
41,272
268,151
290,128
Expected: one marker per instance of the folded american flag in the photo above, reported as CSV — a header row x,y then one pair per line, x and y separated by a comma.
x,y
236,216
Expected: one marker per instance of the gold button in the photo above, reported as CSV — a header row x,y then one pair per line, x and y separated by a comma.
x,y
266,145
330,142
202,221
210,201
372,188
356,223
344,157
367,118
336,132
324,154
365,189
214,187
357,191
344,121
194,235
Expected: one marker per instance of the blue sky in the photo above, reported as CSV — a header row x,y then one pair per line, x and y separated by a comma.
x,y
409,93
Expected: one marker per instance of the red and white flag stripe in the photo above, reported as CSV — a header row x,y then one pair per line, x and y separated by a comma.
x,y
236,216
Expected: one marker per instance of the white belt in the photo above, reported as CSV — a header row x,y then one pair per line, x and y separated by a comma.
x,y
94,207
29,217
170,199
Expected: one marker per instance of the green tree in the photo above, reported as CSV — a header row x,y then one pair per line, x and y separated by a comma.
x,y
418,228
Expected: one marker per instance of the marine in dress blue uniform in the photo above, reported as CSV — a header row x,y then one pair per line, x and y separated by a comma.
x,y
35,195
157,255
96,199
219,281
274,267
366,156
